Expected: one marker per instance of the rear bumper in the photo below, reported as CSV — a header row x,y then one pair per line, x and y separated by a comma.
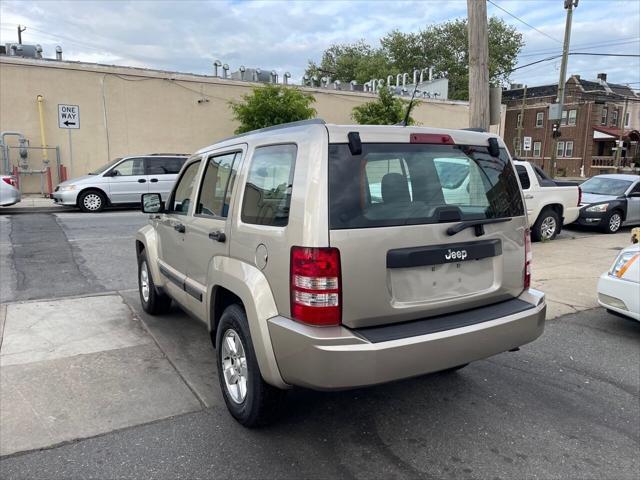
x,y
10,197
65,198
339,358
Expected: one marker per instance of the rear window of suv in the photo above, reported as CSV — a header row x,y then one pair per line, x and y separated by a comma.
x,y
409,184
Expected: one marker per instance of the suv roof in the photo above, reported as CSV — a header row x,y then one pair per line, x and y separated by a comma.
x,y
368,133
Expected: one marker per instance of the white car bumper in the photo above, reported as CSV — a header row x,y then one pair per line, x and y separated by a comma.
x,y
621,296
68,198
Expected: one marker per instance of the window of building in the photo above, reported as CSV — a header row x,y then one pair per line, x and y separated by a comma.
x,y
603,116
627,119
539,119
517,146
614,118
560,149
519,120
573,115
217,185
537,149
267,194
568,149
184,190
563,121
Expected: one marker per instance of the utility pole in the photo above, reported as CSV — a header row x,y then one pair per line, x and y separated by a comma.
x,y
520,137
557,118
478,64
619,146
20,30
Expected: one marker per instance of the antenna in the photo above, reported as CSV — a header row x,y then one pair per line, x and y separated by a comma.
x,y
406,116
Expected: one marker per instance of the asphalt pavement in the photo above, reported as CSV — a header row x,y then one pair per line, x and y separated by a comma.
x,y
564,406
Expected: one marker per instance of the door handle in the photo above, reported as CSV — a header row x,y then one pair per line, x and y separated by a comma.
x,y
142,180
528,197
178,227
218,236
153,180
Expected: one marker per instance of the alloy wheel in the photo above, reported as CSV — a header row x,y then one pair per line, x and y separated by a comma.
x,y
614,222
144,281
234,366
548,228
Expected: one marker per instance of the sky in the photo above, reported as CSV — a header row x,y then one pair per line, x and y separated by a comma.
x,y
187,36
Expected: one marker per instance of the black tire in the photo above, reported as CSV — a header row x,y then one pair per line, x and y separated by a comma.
x,y
261,402
612,222
92,201
547,225
154,301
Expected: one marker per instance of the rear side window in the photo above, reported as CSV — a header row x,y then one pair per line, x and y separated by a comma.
x,y
164,165
267,193
409,184
217,185
524,177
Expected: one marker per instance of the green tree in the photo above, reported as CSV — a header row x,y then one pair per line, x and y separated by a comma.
x,y
357,61
444,46
386,110
272,105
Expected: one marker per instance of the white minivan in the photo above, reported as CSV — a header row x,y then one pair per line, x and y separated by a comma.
x,y
121,182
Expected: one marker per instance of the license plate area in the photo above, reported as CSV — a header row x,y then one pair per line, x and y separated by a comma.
x,y
443,272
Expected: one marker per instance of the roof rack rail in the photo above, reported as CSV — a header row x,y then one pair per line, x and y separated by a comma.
x,y
167,154
313,121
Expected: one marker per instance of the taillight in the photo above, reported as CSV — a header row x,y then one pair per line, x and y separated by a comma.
x,y
437,138
9,180
528,256
579,196
316,285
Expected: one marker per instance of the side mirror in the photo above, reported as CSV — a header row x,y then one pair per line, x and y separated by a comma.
x,y
634,195
152,203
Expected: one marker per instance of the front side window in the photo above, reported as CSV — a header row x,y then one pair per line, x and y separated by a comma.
x,y
183,193
164,165
573,115
560,149
537,149
267,193
539,119
568,149
409,184
132,166
217,185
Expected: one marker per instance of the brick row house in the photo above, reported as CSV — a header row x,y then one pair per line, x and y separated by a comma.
x,y
594,119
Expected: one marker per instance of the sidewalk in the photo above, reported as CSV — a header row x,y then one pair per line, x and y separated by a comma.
x,y
33,203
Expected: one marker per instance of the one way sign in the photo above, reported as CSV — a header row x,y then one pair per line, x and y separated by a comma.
x,y
68,116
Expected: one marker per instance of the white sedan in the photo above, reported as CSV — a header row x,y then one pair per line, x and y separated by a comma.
x,y
9,193
619,288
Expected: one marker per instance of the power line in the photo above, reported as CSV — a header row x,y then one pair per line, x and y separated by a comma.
x,y
522,21
584,47
553,57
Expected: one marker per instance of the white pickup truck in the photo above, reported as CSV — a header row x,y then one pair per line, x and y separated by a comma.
x,y
550,204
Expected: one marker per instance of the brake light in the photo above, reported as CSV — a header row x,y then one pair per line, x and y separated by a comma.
x,y
431,138
579,196
316,285
528,257
9,180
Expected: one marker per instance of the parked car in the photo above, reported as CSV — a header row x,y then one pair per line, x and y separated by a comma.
x,y
550,204
121,182
276,241
610,201
9,193
619,288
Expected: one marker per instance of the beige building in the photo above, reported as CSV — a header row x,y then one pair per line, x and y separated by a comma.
x,y
124,111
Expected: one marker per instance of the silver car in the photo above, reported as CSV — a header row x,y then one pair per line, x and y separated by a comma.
x,y
9,193
121,182
336,256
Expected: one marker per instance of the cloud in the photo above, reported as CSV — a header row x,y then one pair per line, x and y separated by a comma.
x,y
189,35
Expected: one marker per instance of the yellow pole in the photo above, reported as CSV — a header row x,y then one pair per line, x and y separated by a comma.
x,y
43,138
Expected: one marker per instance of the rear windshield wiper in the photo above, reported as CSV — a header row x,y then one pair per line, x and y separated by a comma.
x,y
477,224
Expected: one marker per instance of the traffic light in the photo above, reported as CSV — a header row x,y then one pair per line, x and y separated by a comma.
x,y
555,130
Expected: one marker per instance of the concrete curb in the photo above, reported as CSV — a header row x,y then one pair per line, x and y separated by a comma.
x,y
6,210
